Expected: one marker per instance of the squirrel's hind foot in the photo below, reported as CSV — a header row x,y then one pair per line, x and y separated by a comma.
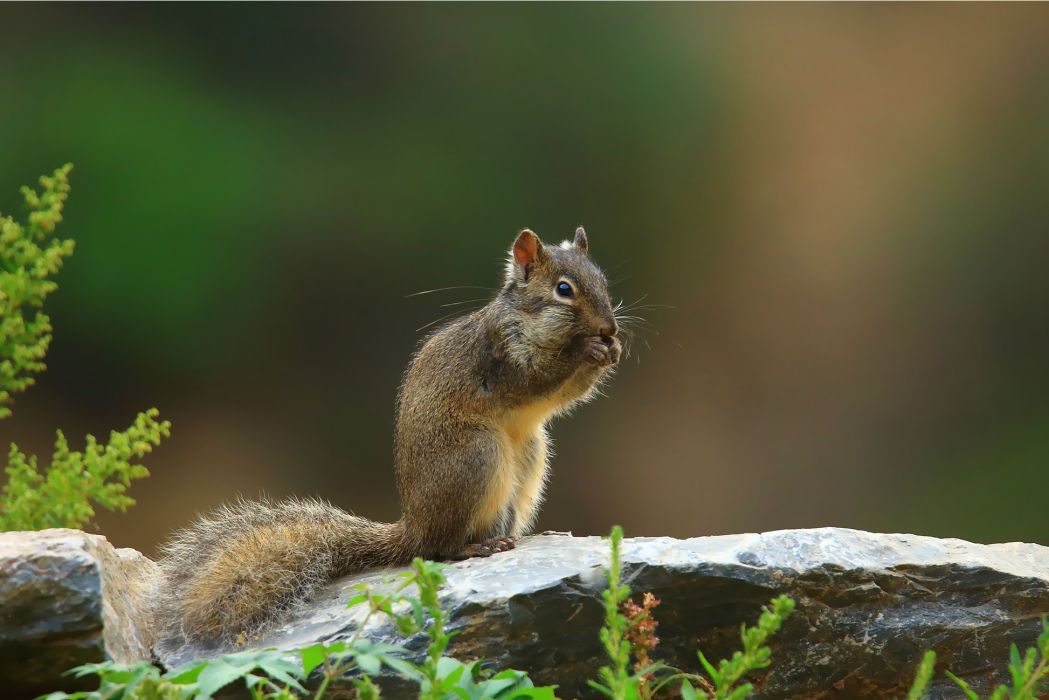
x,y
486,548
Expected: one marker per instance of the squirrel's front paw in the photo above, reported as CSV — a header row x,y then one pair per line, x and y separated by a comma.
x,y
602,350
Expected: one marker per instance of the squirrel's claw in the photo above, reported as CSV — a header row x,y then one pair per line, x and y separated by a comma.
x,y
486,548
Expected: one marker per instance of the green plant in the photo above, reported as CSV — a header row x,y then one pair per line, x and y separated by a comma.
x,y
641,633
922,676
629,632
63,495
29,256
615,635
271,674
1030,672
439,677
141,680
267,674
725,678
74,482
619,682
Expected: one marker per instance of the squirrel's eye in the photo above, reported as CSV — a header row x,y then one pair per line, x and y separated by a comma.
x,y
564,289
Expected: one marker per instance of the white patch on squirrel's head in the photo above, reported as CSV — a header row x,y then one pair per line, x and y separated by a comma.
x,y
578,241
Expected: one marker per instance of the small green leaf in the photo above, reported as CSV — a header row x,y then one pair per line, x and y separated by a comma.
x,y
922,676
281,670
369,663
186,673
216,676
545,692
450,673
312,657
604,690
493,686
741,692
405,668
711,671
969,692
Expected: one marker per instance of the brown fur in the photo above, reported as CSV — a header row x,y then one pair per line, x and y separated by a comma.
x,y
470,455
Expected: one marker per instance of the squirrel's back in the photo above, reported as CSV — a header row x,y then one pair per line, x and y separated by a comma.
x,y
229,573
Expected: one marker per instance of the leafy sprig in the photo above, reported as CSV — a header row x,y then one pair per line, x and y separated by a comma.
x,y
66,493
29,256
632,635
618,682
755,654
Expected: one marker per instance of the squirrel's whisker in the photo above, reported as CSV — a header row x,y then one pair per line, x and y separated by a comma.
x,y
436,321
651,306
631,305
468,301
445,289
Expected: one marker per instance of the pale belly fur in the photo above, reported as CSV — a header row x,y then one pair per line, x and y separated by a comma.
x,y
516,486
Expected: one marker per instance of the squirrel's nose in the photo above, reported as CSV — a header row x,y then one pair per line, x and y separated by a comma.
x,y
610,330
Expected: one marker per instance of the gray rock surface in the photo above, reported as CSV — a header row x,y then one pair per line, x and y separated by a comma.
x,y
68,598
868,605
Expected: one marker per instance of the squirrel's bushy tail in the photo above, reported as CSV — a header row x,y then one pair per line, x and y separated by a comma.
x,y
245,565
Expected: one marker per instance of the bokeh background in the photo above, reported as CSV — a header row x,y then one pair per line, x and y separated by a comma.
x,y
840,213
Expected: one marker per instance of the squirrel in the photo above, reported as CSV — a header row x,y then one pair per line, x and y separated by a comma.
x,y
471,456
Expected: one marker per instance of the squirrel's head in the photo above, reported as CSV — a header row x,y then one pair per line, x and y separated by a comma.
x,y
559,291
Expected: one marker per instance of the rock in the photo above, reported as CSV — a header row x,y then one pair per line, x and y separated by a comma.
x,y
69,598
868,606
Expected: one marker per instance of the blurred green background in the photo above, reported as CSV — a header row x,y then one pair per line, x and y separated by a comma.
x,y
845,205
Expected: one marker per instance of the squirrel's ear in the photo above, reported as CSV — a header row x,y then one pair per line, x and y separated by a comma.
x,y
580,239
527,253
